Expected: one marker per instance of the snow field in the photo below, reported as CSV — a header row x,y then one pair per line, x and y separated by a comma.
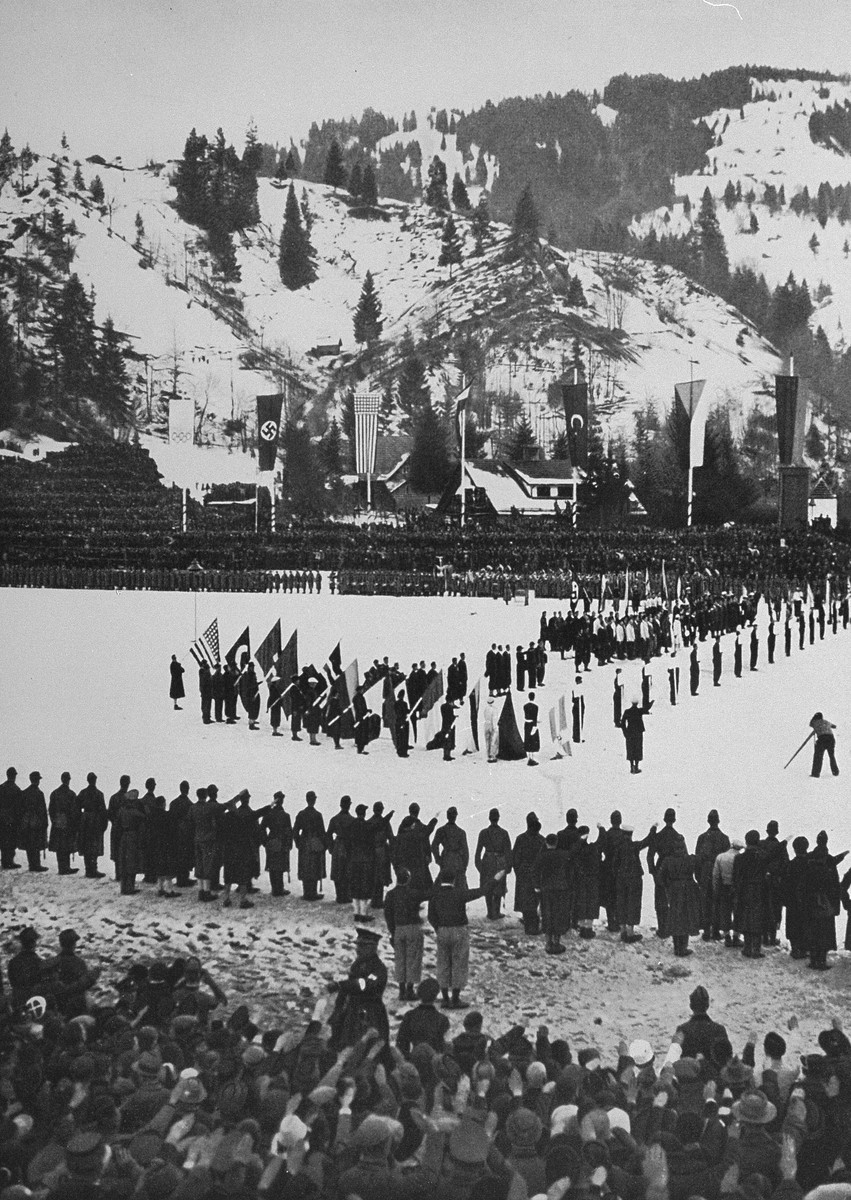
x,y
86,688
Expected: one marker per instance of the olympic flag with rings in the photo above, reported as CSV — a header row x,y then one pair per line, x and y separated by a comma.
x,y
268,428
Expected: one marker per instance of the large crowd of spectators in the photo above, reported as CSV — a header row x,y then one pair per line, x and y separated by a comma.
x,y
102,508
154,1087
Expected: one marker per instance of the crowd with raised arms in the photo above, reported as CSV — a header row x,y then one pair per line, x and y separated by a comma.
x,y
148,1083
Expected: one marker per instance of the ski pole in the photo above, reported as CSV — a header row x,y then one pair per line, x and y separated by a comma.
x,y
800,748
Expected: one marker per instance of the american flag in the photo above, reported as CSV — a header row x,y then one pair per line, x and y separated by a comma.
x,y
206,647
367,405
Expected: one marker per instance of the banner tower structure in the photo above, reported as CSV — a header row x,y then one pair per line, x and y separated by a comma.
x,y
694,406
268,434
575,399
367,407
181,432
794,478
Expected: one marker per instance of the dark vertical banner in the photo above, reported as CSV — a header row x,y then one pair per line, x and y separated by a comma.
x,y
268,429
575,397
786,401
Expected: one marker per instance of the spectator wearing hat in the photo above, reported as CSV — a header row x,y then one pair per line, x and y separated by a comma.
x,y
709,845
359,1005
493,856
10,819
524,854
700,1032
749,895
425,1023
92,826
447,914
32,828
372,1175
26,971
149,1095
64,813
523,1129
70,977
755,1151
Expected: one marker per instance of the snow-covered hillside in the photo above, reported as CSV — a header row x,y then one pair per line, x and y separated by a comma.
x,y
768,142
645,326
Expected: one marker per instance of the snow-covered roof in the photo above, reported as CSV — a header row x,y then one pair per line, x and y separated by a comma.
x,y
503,491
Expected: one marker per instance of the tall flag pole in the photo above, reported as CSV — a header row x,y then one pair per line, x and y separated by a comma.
x,y
693,407
460,412
206,647
367,406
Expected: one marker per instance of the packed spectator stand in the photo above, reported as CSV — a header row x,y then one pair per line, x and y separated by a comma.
x,y
97,515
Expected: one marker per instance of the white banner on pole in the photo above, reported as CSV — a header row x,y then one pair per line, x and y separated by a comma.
x,y
181,420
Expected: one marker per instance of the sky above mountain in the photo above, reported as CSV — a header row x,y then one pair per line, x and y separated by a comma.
x,y
131,77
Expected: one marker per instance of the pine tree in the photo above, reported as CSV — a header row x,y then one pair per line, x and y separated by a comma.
x,y
190,180
96,190
754,223
453,128
436,195
428,466
443,142
332,450
77,180
481,222
414,392
71,339
252,155
296,258
335,171
355,181
729,196
450,246
814,244
64,142
8,161
222,249
57,176
140,231
523,445
368,321
460,197
441,123
687,207
369,188
575,293
111,388
713,252
561,448
481,170
304,479
526,226
293,162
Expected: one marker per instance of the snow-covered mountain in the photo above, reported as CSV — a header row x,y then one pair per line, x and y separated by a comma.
x,y
767,142
644,326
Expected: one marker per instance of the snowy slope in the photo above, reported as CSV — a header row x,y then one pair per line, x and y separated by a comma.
x,y
642,324
770,144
